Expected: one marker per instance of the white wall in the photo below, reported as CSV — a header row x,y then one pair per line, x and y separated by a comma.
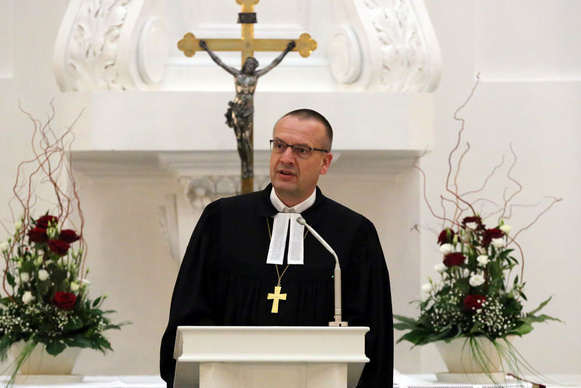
x,y
539,115
528,97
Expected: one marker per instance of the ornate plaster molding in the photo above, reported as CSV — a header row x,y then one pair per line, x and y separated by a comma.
x,y
385,45
111,45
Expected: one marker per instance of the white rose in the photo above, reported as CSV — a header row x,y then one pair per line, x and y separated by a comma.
x,y
440,267
498,242
505,228
476,280
27,297
482,260
24,277
18,225
446,248
74,286
85,283
427,287
43,274
472,225
4,247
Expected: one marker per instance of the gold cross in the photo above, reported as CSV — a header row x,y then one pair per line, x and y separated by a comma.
x,y
275,298
247,45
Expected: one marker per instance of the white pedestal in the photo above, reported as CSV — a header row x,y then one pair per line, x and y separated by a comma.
x,y
248,357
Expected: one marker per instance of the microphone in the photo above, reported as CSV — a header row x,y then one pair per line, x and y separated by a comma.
x,y
336,274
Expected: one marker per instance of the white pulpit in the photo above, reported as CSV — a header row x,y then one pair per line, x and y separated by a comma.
x,y
273,356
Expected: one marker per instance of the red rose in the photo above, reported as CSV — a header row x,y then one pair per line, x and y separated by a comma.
x,y
69,236
446,236
64,300
490,234
453,259
43,221
474,302
59,247
37,235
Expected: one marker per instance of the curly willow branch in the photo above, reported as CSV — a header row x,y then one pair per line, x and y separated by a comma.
x,y
48,165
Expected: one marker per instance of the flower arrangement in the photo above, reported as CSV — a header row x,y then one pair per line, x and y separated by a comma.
x,y
476,294
45,288
480,292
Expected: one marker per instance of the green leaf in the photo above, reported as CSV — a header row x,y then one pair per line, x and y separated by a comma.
x,y
55,347
541,306
44,286
97,302
523,329
411,322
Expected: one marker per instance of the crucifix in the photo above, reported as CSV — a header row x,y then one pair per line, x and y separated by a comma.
x,y
240,114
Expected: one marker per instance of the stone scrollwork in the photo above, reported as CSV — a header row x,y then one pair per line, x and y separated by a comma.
x,y
399,49
405,53
107,45
200,191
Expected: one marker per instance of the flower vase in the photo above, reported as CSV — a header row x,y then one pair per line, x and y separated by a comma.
x,y
41,367
466,365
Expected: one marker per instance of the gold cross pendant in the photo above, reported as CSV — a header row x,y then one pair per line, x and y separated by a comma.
x,y
275,298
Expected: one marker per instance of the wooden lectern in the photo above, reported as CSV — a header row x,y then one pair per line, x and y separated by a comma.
x,y
273,356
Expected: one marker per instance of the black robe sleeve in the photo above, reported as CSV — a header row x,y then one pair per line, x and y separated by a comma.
x,y
192,298
367,302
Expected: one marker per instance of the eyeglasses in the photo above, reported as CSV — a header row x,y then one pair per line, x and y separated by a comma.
x,y
301,151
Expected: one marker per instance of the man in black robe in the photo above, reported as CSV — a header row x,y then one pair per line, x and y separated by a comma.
x,y
224,279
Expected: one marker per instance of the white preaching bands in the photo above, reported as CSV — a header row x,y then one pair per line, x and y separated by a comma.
x,y
285,219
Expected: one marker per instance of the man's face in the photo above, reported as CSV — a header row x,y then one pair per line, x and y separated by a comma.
x,y
294,179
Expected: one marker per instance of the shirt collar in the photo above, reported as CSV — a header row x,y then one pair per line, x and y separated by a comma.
x,y
298,208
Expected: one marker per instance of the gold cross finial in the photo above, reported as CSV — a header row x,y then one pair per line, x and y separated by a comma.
x,y
247,45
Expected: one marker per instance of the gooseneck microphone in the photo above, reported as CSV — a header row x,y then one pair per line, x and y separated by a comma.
x,y
336,274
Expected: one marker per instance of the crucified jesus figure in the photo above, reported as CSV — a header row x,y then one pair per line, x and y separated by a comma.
x,y
240,114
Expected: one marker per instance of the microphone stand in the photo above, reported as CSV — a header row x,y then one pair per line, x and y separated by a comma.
x,y
336,275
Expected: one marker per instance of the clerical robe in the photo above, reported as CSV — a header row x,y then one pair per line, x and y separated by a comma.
x,y
224,279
